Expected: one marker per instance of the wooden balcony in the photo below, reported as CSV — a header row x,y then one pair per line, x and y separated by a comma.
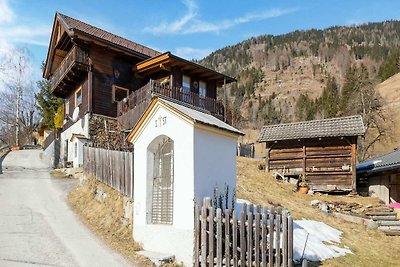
x,y
130,109
70,72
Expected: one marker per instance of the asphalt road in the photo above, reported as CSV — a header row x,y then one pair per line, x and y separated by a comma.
x,y
37,228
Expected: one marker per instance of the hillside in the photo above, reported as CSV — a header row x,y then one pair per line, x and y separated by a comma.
x,y
390,92
283,78
369,247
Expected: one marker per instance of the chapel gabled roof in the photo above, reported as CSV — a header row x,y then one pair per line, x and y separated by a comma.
x,y
335,127
191,113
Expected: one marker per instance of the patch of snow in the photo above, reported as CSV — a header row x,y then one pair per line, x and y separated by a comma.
x,y
321,244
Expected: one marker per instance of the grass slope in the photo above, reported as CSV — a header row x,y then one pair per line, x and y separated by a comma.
x,y
370,247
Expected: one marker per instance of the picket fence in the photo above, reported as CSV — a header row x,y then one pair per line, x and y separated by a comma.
x,y
112,167
257,237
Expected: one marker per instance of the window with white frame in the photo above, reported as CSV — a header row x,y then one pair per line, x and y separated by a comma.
x,y
76,150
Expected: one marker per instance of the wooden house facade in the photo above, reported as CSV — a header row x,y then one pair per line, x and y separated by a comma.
x,y
99,74
324,150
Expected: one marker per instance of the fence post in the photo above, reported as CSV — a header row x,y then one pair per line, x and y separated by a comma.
x,y
290,241
234,239
243,235
271,236
264,238
285,238
278,237
203,236
211,234
196,235
219,238
227,238
257,238
250,238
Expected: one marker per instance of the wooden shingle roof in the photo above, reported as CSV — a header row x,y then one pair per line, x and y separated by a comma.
x,y
343,126
75,25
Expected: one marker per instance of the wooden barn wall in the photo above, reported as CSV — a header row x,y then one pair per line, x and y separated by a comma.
x,y
327,162
110,68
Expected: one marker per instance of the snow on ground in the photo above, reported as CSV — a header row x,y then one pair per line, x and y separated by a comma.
x,y
323,241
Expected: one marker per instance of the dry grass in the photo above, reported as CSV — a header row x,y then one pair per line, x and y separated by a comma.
x,y
370,247
104,219
59,174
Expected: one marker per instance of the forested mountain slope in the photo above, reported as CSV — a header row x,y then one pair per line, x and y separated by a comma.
x,y
312,74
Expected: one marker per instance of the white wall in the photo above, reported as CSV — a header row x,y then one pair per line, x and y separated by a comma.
x,y
214,163
379,187
203,160
176,239
79,127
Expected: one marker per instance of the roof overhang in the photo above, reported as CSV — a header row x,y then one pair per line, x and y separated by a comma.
x,y
167,61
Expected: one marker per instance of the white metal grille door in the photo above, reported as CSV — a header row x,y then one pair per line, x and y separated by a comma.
x,y
163,183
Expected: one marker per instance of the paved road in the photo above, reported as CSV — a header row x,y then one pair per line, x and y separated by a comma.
x,y
37,228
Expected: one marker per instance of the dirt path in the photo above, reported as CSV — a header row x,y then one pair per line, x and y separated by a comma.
x,y
36,225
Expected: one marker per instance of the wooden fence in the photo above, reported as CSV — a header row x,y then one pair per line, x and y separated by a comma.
x,y
112,167
258,237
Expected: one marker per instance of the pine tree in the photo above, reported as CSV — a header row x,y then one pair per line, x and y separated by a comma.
x,y
47,103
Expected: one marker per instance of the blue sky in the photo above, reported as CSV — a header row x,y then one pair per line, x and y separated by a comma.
x,y
188,28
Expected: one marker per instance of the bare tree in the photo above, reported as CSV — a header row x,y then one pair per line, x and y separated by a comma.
x,y
18,115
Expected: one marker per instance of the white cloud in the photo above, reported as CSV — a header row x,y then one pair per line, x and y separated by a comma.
x,y
13,33
192,53
177,25
6,13
190,23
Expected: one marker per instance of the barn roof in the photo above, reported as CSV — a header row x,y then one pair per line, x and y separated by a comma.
x,y
115,40
343,126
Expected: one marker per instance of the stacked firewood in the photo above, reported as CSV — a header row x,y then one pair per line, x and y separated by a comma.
x,y
106,133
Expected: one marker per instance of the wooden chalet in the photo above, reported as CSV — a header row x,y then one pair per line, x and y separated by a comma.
x,y
108,81
324,150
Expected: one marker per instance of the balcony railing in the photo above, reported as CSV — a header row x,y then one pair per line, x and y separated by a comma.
x,y
75,57
130,109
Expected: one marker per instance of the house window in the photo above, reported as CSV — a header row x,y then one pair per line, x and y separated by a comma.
x,y
163,183
119,93
76,150
78,96
186,83
67,108
202,88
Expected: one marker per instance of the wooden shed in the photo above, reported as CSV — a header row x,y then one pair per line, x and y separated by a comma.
x,y
324,150
380,177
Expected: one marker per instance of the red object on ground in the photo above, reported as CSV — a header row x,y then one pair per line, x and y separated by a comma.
x,y
395,205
